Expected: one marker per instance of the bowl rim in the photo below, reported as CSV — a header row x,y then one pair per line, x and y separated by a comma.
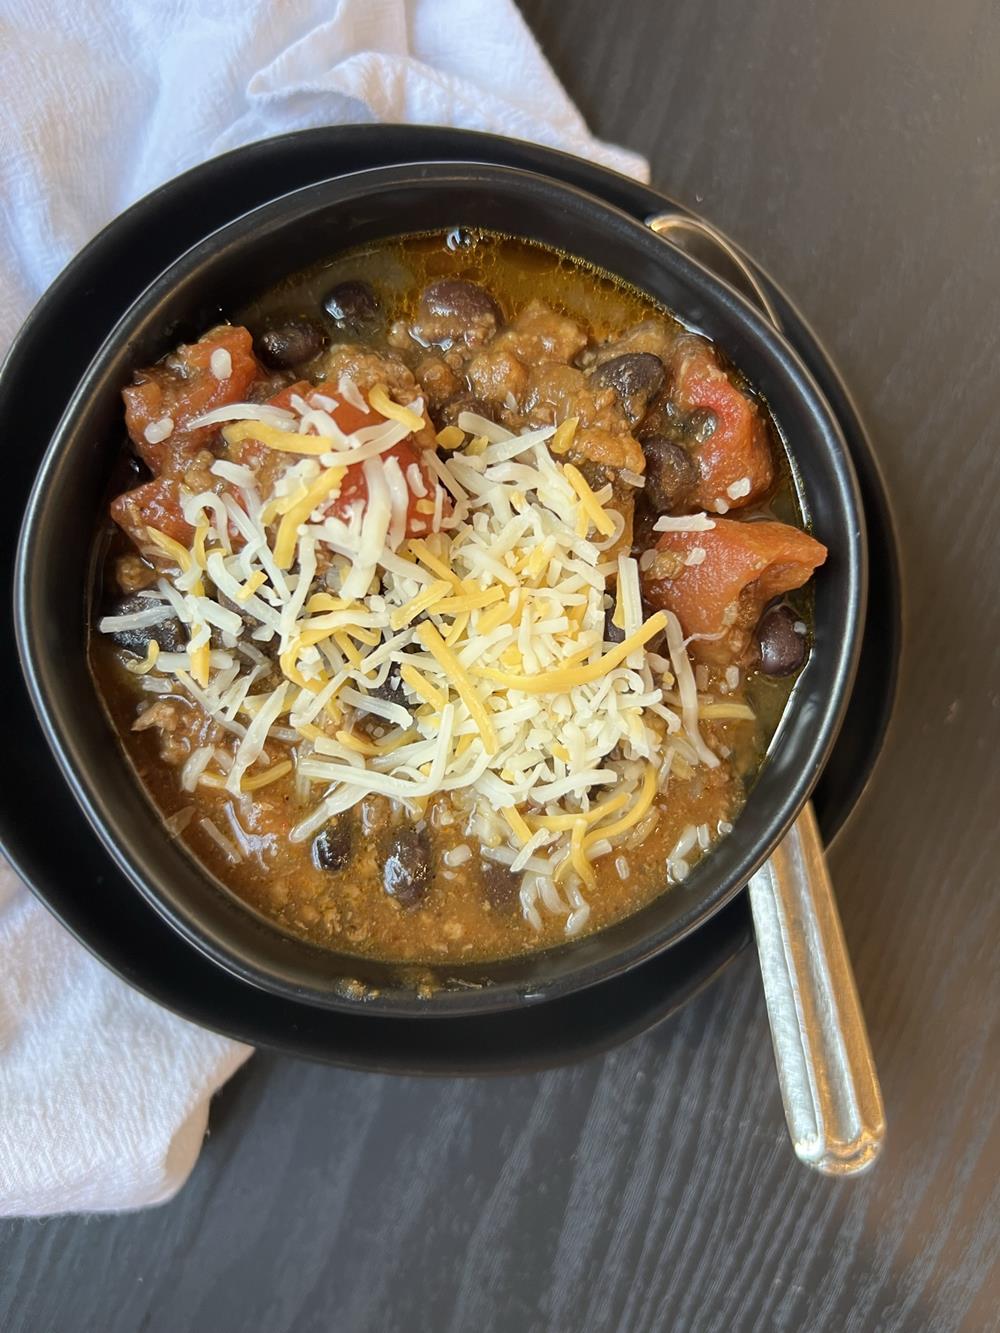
x,y
501,995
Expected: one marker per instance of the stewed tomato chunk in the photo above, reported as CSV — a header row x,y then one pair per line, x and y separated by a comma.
x,y
717,582
732,452
216,370
157,504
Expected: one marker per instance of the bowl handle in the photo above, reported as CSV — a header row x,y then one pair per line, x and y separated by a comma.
x,y
833,1103
701,242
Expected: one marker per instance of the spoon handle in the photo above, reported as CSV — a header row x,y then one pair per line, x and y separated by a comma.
x,y
833,1103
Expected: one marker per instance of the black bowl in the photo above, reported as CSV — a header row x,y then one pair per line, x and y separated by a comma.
x,y
51,589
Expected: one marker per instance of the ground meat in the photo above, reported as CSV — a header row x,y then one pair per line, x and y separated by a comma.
x,y
497,377
540,333
651,335
592,445
162,714
556,392
132,573
438,381
198,476
367,368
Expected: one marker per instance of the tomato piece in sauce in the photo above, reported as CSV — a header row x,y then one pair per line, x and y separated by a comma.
x,y
182,387
744,566
157,504
354,487
736,454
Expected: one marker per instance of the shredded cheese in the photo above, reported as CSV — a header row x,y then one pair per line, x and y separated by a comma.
x,y
273,437
588,501
551,682
485,582
462,682
379,399
322,488
148,662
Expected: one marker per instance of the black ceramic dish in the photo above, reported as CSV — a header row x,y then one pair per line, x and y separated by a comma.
x,y
72,873
188,296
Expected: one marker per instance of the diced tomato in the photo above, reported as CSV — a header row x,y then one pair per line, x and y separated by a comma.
x,y
157,504
355,487
737,451
348,417
251,453
745,565
182,387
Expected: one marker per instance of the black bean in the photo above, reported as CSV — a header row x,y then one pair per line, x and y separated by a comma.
x,y
782,648
670,473
169,634
501,886
391,689
700,424
406,875
291,344
612,634
636,377
352,306
332,846
453,308
449,413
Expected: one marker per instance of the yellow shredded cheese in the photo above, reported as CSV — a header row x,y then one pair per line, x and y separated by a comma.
x,y
727,712
357,744
323,601
325,485
289,663
641,806
563,438
435,564
178,553
515,819
588,500
470,601
379,399
457,630
451,437
462,682
256,580
273,437
148,662
422,602
591,816
263,779
200,663
565,678
578,854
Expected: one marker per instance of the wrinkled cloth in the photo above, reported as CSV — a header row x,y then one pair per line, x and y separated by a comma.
x,y
104,1095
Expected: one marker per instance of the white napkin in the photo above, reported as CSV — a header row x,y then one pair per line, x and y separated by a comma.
x,y
103,1095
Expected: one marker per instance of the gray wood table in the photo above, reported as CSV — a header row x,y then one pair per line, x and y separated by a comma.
x,y
853,149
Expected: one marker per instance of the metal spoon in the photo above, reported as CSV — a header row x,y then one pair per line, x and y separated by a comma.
x,y
829,1085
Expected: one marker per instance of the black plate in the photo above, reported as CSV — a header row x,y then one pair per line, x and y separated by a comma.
x,y
76,878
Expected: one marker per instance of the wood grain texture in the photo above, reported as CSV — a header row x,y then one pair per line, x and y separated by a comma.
x,y
852,148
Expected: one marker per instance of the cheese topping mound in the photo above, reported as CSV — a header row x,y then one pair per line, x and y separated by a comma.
x,y
429,631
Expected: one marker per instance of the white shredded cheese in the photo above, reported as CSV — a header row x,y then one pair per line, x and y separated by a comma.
x,y
684,523
220,363
474,604
158,431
